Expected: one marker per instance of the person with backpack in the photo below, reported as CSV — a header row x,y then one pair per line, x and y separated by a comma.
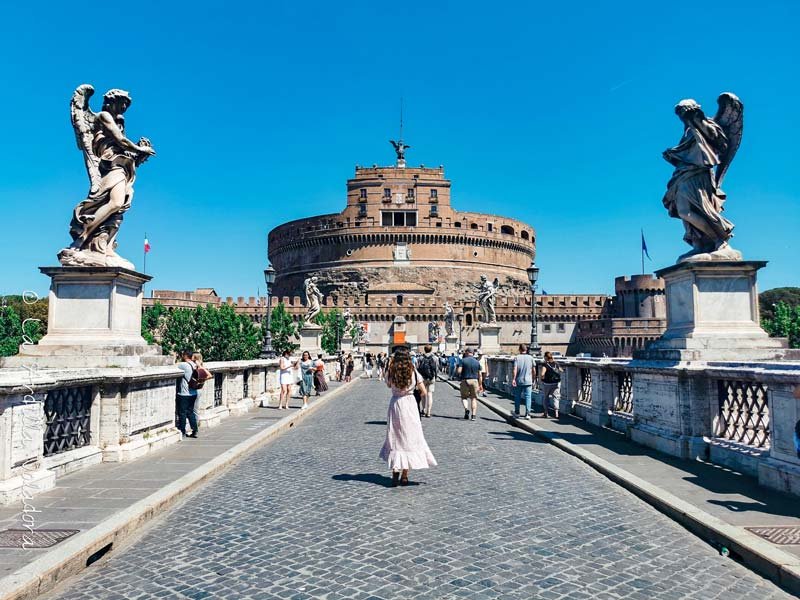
x,y
522,380
187,394
551,381
426,366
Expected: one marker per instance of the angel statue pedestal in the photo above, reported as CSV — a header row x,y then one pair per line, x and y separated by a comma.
x,y
347,343
451,343
94,321
311,339
712,314
489,338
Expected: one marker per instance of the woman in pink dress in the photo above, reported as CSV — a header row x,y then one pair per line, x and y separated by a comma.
x,y
405,447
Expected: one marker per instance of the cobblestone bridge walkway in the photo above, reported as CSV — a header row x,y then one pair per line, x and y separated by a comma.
x,y
503,516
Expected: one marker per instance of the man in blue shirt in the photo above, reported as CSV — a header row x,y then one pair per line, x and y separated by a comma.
x,y
469,372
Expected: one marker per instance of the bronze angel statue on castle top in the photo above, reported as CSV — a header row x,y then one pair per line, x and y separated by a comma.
x,y
111,160
701,159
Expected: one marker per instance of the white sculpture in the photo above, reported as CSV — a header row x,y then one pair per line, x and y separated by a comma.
x,y
313,300
487,297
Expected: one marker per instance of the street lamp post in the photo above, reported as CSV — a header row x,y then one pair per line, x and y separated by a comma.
x,y
459,318
533,277
269,279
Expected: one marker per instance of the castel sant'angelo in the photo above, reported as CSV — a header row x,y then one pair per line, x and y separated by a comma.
x,y
399,252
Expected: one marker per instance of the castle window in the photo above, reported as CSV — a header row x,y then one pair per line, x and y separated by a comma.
x,y
560,328
524,235
435,211
507,229
473,225
468,320
386,219
362,210
398,218
547,327
387,194
457,224
410,194
363,193
438,223
489,227
399,299
434,194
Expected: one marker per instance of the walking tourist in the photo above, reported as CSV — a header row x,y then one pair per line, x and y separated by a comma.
x,y
551,381
286,367
369,363
469,372
341,365
405,447
452,363
349,366
320,385
484,371
380,364
306,377
522,380
427,368
187,394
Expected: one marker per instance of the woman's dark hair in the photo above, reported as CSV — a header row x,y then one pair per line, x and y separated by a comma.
x,y
401,369
287,353
303,356
548,356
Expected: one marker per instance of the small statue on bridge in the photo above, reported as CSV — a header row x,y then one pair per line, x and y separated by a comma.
x,y
487,298
313,299
701,159
348,322
111,160
433,332
449,317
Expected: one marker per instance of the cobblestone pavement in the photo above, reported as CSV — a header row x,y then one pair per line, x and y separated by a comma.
x,y
502,516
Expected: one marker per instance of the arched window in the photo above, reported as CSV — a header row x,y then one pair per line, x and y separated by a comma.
x,y
457,224
473,226
507,229
399,299
468,320
524,235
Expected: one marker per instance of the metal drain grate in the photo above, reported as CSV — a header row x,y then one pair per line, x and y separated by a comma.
x,y
783,536
39,538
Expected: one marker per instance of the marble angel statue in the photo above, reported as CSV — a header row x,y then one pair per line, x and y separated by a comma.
x,y
487,298
701,160
111,160
313,299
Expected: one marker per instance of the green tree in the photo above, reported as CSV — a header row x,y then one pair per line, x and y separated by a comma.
x,y
333,326
283,329
785,322
179,330
10,331
769,300
153,321
31,308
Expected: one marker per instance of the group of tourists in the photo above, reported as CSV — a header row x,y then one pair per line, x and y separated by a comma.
x,y
306,371
375,364
412,378
344,366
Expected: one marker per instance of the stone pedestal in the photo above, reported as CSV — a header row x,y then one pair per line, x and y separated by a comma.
x,y
347,344
712,315
94,320
311,339
451,343
489,339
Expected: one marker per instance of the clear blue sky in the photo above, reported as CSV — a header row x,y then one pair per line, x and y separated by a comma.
x,y
553,113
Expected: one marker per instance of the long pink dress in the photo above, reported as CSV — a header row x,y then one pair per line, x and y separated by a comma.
x,y
405,446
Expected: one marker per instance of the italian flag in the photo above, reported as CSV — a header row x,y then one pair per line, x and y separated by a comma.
x,y
146,245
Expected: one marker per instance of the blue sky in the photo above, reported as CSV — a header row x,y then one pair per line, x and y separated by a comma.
x,y
553,113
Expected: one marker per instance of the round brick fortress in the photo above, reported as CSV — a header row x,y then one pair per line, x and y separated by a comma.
x,y
399,227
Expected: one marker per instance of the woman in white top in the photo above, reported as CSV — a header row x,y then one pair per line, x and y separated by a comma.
x,y
286,378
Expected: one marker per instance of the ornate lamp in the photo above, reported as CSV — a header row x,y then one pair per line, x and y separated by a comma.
x,y
533,277
269,279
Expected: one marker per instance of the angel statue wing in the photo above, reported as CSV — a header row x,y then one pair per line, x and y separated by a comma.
x,y
496,283
83,124
730,117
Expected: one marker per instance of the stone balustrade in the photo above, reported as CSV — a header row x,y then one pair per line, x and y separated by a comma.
x,y
745,416
54,422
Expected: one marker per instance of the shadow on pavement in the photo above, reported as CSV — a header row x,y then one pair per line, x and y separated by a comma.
x,y
374,478
374,422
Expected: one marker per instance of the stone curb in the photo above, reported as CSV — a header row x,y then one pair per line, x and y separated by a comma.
x,y
757,554
70,557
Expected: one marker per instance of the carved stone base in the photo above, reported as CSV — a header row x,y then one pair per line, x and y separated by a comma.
x,y
94,320
489,339
712,314
451,343
347,344
311,339
726,253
